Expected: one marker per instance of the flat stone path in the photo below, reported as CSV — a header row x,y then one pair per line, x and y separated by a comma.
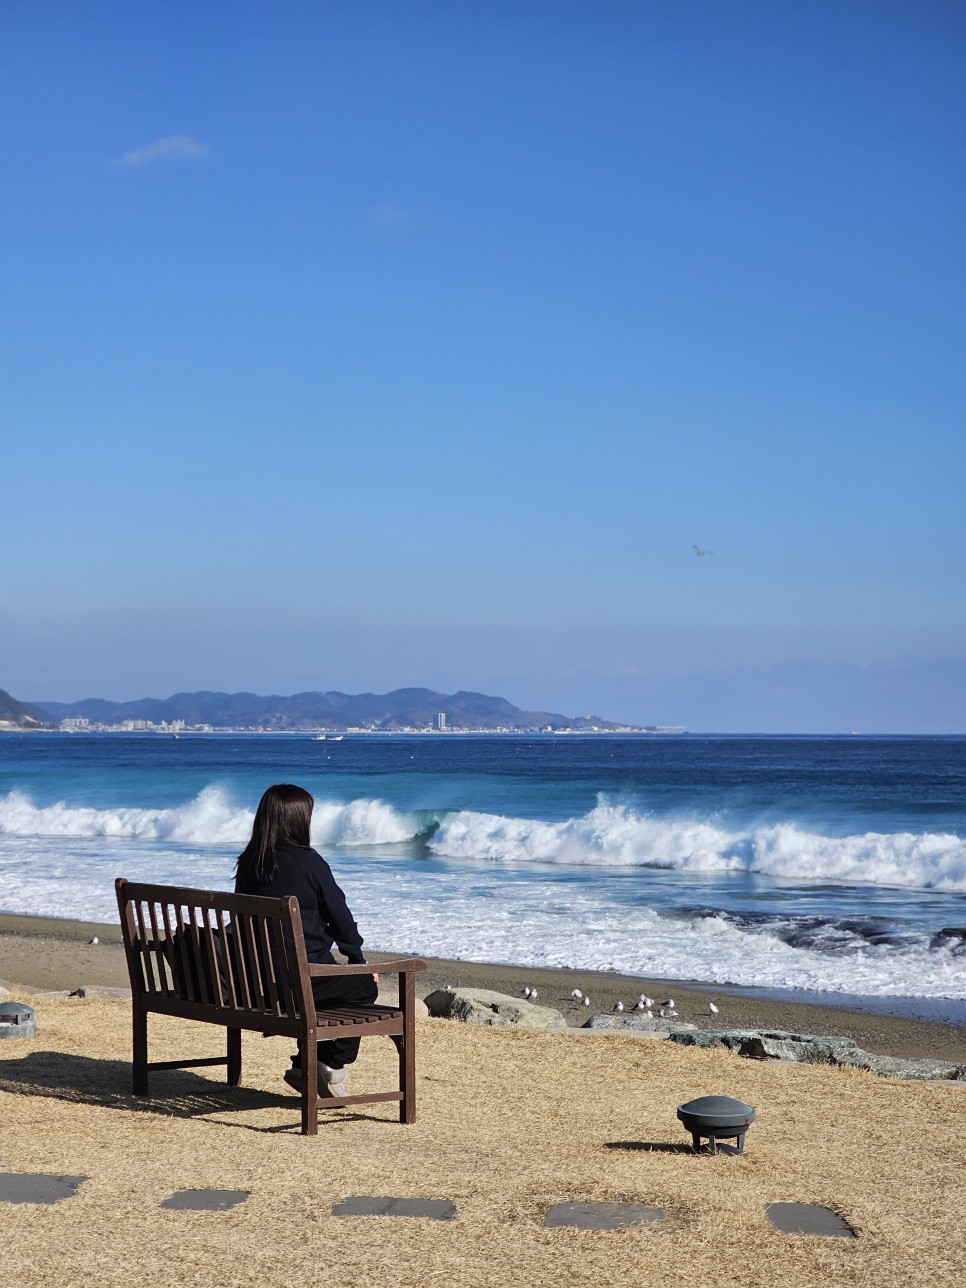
x,y
364,1205
35,1187
808,1218
601,1216
790,1218
205,1200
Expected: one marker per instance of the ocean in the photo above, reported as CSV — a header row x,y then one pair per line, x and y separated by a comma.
x,y
825,866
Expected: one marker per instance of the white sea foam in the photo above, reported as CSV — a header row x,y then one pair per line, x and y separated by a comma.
x,y
362,822
533,920
209,819
616,835
610,835
525,923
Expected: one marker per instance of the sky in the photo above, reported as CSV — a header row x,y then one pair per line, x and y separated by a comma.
x,y
361,345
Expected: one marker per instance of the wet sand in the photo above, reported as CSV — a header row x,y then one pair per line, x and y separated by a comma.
x,y
45,954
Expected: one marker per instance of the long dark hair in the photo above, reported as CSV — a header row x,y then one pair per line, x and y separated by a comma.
x,y
283,817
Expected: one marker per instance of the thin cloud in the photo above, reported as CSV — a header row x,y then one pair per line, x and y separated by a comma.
x,y
173,147
386,215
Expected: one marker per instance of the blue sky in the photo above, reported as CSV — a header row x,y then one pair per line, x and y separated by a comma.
x,y
361,345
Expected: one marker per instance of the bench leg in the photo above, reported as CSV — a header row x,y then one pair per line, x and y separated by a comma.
x,y
140,1051
234,1057
406,1046
310,1092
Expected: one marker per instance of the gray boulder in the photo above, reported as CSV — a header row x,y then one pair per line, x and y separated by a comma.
x,y
913,1070
810,1048
638,1023
497,1010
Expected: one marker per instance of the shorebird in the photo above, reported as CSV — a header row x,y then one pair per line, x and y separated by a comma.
x,y
586,1001
95,940
647,1001
533,994
618,1006
712,1009
576,994
639,1006
699,552
526,990
669,1004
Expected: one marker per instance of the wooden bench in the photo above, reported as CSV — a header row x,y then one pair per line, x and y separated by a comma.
x,y
239,961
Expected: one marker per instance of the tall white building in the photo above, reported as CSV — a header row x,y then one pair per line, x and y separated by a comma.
x,y
440,721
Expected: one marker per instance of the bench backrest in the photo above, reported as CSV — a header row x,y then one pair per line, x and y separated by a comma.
x,y
233,952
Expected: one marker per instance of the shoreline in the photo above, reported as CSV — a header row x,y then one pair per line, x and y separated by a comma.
x,y
47,954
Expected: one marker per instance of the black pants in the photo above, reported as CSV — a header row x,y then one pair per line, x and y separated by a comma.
x,y
341,990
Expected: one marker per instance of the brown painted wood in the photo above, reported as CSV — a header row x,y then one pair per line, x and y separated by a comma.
x,y
239,962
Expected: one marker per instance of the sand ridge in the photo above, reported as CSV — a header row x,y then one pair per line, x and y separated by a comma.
x,y
52,954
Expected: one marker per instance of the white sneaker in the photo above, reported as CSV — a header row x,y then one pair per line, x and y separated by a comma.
x,y
332,1082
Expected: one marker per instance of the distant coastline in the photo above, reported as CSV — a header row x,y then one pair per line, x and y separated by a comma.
x,y
315,712
132,727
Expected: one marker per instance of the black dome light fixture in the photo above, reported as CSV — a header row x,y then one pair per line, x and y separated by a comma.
x,y
716,1118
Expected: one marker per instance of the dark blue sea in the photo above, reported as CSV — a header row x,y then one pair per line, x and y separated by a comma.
x,y
830,865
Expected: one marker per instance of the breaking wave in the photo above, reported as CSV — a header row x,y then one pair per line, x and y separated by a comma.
x,y
616,835
610,835
209,819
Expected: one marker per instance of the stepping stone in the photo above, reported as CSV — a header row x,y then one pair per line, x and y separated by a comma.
x,y
205,1200
601,1216
808,1218
360,1205
34,1187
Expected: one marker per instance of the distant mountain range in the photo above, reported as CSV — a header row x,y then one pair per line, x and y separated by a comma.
x,y
400,709
20,715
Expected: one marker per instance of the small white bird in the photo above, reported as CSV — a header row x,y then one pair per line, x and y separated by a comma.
x,y
712,1009
576,994
533,994
526,990
661,1012
619,1006
672,1015
95,940
669,1003
586,1001
639,1006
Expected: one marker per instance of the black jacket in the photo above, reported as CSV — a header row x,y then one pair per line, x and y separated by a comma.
x,y
326,918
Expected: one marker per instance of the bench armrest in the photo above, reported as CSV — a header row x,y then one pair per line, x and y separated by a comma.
x,y
398,966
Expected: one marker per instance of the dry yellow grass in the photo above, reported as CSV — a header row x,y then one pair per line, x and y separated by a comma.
x,y
509,1123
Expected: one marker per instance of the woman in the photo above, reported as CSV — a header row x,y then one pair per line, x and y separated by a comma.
x,y
279,861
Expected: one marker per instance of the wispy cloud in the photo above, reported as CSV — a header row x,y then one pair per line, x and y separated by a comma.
x,y
173,147
386,215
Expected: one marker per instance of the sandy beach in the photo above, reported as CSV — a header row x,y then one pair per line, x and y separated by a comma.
x,y
46,954
510,1124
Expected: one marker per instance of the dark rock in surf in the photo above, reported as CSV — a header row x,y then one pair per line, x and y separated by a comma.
x,y
948,936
